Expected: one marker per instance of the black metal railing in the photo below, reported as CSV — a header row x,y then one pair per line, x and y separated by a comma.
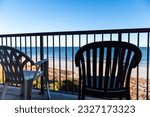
x,y
60,48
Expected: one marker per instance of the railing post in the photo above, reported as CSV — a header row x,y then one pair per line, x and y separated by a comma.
x,y
41,58
119,36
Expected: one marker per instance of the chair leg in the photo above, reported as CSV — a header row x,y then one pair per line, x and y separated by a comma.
x,y
4,90
47,88
27,89
128,96
22,90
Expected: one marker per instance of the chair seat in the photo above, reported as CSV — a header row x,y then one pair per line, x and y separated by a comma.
x,y
28,75
109,93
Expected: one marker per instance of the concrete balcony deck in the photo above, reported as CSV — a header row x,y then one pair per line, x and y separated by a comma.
x,y
13,93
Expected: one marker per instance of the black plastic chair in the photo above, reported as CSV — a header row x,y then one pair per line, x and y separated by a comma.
x,y
14,62
105,69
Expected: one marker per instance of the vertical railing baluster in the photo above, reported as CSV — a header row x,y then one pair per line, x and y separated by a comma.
x,y
53,62
102,37
128,37
36,56
20,44
15,42
119,36
66,63
11,41
30,47
60,64
79,40
147,91
31,50
73,64
86,38
3,80
26,48
36,49
2,41
41,58
111,37
47,53
6,41
94,37
137,96
47,47
25,45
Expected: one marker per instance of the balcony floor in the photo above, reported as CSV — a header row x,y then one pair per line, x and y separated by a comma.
x,y
13,93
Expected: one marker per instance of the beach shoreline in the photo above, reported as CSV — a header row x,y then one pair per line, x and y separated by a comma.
x,y
72,67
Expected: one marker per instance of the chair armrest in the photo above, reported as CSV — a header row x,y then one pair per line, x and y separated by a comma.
x,y
41,62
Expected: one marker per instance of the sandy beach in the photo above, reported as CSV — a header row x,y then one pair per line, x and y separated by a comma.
x,y
142,81
142,68
60,76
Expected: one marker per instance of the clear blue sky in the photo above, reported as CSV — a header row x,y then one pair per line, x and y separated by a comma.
x,y
20,16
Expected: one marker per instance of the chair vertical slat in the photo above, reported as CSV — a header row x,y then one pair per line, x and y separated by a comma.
x,y
94,68
101,68
107,68
114,66
88,62
80,84
83,78
128,56
120,67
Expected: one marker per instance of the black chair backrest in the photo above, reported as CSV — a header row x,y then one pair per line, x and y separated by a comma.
x,y
13,62
106,65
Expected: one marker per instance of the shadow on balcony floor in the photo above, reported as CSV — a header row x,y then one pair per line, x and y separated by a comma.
x,y
13,93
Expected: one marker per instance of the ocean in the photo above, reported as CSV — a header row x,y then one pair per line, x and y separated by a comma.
x,y
63,56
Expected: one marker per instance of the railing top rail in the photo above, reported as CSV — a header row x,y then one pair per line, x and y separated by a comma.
x,y
135,30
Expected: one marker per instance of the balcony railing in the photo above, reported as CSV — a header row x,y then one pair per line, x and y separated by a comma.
x,y
60,48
